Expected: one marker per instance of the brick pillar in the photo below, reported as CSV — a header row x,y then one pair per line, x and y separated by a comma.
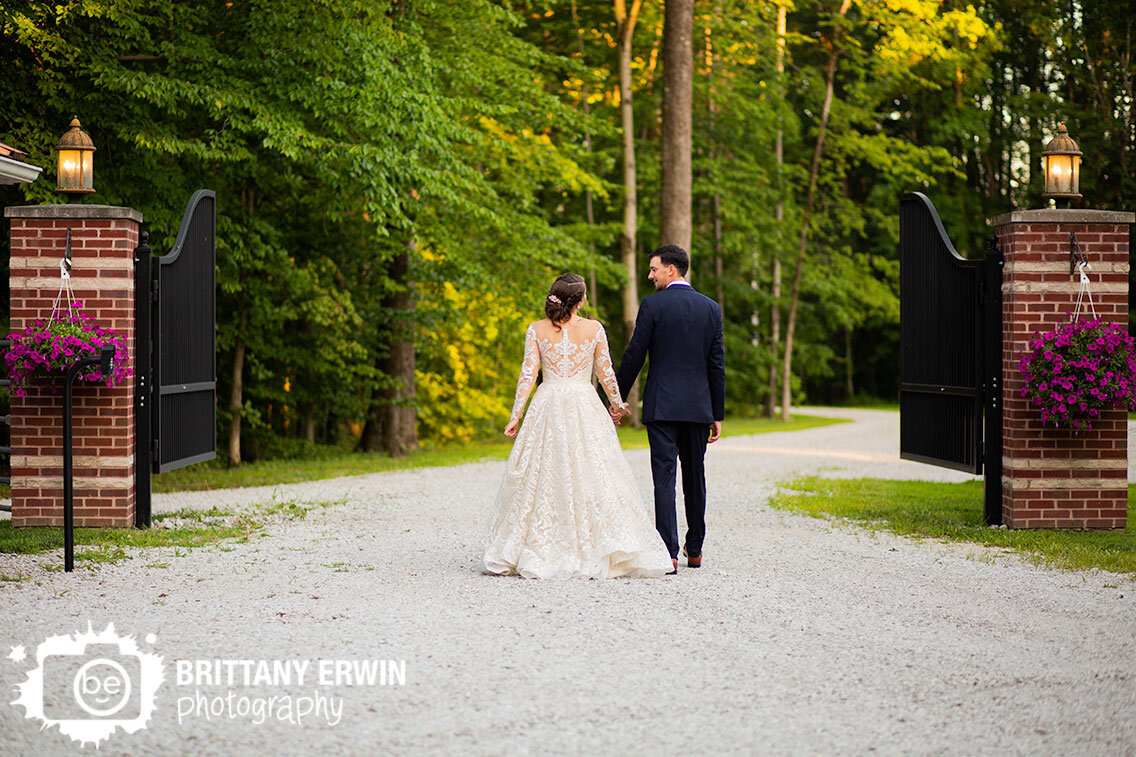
x,y
103,239
1053,478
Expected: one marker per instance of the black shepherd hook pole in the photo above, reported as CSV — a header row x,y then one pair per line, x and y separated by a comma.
x,y
106,361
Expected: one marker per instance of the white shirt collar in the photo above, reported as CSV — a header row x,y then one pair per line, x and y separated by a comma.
x,y
678,282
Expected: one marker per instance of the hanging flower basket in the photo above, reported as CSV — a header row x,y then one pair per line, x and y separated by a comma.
x,y
1079,369
47,349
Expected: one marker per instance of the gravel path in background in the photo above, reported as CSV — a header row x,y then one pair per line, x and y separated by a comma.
x,y
797,636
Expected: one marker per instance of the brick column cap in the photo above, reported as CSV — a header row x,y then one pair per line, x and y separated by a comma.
x,y
1063,215
76,211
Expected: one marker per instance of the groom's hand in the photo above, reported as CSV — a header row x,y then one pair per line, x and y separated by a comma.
x,y
715,432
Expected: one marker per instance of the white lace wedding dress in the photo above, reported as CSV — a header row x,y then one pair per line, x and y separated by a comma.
x,y
568,506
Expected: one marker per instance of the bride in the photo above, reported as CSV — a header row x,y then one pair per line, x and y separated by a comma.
x,y
568,506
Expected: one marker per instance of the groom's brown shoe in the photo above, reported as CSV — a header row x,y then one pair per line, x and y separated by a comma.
x,y
674,563
692,562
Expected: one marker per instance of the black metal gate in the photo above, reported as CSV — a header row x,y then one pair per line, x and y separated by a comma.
x,y
176,327
950,351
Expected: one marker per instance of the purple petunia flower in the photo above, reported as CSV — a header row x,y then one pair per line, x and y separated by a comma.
x,y
1074,371
44,347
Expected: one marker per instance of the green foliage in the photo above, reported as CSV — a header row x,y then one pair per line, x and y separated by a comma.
x,y
338,133
326,462
388,122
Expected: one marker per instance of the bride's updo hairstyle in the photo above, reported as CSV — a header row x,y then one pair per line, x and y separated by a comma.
x,y
564,294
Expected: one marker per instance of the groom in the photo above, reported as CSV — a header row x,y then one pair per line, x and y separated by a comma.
x,y
683,402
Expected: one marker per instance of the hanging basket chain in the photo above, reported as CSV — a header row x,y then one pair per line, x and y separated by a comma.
x,y
1084,292
64,285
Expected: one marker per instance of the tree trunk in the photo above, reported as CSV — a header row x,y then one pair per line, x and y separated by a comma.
x,y
996,132
678,96
593,290
814,170
309,424
716,200
650,78
236,396
848,388
399,419
774,338
235,402
1037,94
718,276
625,26
371,440
778,215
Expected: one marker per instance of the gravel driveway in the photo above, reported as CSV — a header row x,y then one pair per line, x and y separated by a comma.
x,y
797,636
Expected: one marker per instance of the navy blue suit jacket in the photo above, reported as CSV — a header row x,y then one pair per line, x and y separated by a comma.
x,y
682,332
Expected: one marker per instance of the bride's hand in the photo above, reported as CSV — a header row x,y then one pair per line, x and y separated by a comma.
x,y
511,429
618,413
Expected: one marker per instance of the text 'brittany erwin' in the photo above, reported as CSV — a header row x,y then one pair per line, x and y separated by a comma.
x,y
290,672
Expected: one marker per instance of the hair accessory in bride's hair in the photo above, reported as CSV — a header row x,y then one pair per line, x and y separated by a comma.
x,y
554,298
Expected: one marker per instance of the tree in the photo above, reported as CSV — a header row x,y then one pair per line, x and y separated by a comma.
x,y
833,47
678,78
625,20
395,193
779,216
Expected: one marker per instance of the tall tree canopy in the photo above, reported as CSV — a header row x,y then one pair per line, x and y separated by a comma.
x,y
398,182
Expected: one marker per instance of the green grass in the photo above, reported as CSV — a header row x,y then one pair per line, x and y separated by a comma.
x,y
108,543
214,476
193,528
954,512
270,472
891,405
866,403
336,463
636,438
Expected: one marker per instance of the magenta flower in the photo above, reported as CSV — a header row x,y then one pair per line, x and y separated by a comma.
x,y
1078,370
43,349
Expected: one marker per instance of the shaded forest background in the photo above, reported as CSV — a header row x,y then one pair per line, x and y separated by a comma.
x,y
398,182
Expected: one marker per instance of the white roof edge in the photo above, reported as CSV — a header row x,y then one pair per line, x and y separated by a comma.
x,y
17,172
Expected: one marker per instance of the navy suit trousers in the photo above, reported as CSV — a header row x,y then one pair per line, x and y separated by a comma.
x,y
686,442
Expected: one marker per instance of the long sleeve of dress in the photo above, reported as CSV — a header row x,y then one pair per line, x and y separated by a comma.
x,y
605,372
529,367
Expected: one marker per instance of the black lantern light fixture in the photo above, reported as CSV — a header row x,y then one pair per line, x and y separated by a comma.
x,y
76,163
1061,160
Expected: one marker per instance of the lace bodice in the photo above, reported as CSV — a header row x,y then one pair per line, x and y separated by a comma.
x,y
564,359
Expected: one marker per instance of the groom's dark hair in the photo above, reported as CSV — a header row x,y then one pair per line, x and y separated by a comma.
x,y
672,254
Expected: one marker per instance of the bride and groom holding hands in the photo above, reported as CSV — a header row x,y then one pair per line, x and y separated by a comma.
x,y
568,505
